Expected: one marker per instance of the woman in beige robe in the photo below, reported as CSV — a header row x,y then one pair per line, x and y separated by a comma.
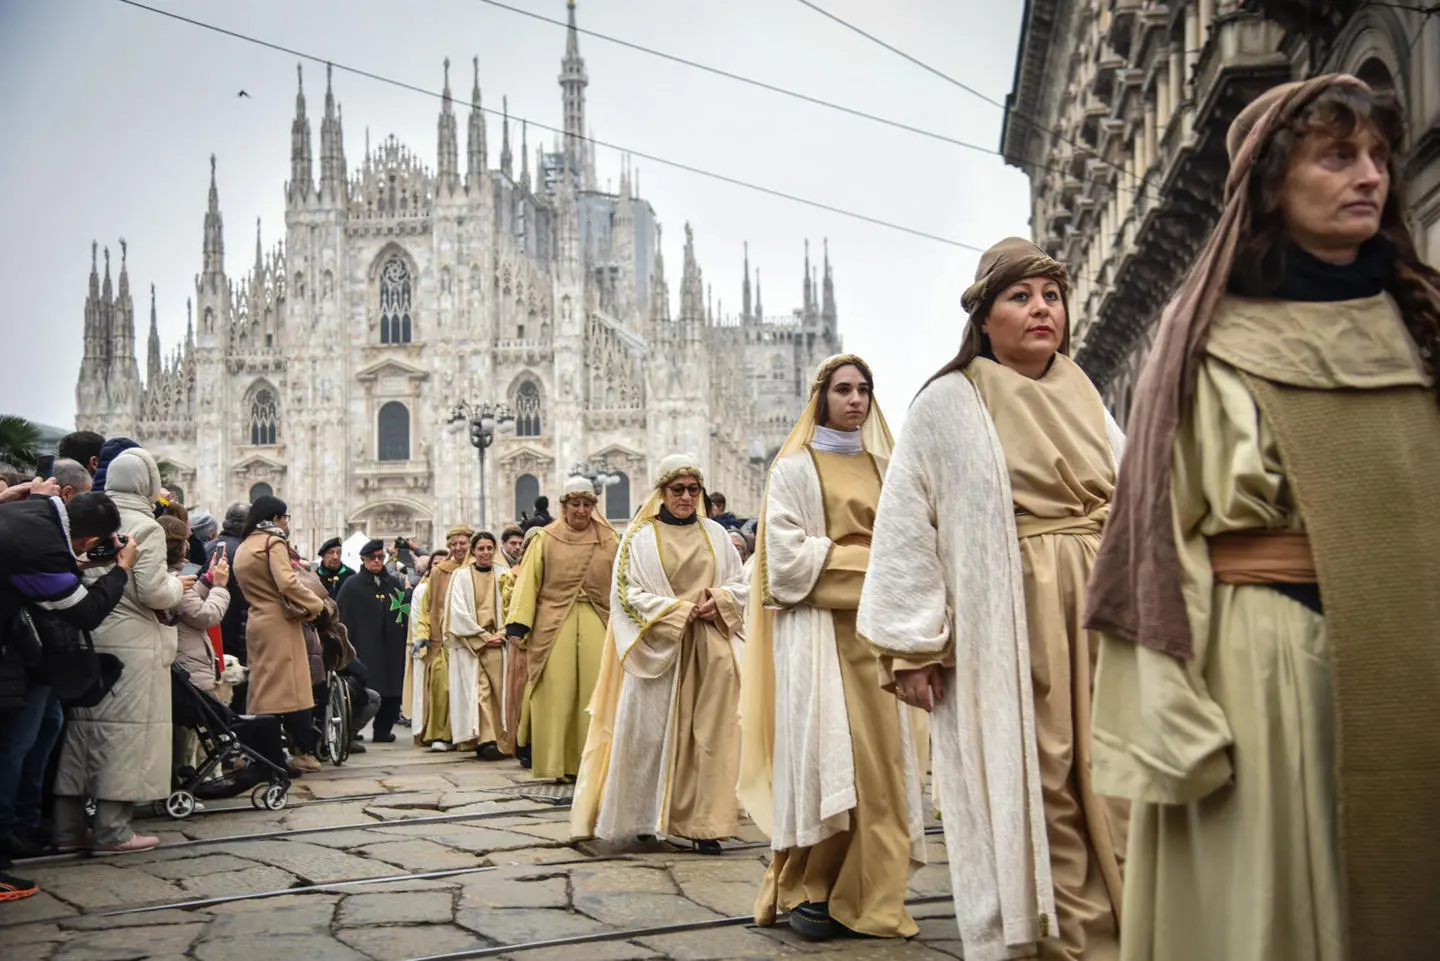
x,y
989,524
829,766
1282,751
663,752
475,642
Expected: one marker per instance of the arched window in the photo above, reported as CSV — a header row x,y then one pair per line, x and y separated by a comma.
x,y
260,490
264,418
395,302
393,442
527,488
617,498
777,367
527,410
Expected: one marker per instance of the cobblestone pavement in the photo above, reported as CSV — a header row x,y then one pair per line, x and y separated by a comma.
x,y
445,857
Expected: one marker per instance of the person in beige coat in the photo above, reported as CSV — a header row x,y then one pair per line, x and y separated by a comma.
x,y
118,752
274,638
201,608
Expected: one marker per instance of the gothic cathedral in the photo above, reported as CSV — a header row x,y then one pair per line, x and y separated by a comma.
x,y
328,373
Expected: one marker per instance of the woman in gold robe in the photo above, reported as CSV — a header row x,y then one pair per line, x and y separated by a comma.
x,y
989,524
557,615
475,645
663,753
1269,586
829,767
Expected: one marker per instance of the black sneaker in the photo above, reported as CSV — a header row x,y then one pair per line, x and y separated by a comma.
x,y
388,737
17,846
16,889
812,921
490,751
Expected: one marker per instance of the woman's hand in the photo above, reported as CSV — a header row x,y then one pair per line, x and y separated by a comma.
x,y
922,688
187,582
220,571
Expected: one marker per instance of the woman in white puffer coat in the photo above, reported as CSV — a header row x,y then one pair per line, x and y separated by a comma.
x,y
118,752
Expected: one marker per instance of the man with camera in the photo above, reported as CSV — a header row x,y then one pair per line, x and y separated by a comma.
x,y
45,609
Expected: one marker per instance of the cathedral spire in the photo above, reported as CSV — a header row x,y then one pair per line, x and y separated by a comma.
x,y
745,296
759,307
692,288
259,253
122,333
827,309
505,157
447,174
809,286
302,183
214,246
572,86
152,366
189,327
475,170
659,289
524,158
332,146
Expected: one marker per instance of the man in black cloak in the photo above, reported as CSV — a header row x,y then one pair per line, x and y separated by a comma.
x,y
376,612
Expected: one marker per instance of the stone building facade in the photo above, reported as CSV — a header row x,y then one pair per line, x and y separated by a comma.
x,y
1118,114
328,373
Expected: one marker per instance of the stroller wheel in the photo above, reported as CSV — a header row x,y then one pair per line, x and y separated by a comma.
x,y
180,804
275,797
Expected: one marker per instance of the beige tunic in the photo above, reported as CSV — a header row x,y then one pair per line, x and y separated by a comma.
x,y
1062,476
1245,871
862,873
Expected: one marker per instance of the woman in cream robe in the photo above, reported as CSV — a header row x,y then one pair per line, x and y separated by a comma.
x,y
663,752
989,523
829,768
1282,752
475,642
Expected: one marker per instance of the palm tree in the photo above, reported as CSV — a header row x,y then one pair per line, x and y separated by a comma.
x,y
19,442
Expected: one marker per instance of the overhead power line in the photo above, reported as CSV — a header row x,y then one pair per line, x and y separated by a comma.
x,y
770,87
1014,114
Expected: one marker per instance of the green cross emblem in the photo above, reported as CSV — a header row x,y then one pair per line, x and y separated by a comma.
x,y
397,604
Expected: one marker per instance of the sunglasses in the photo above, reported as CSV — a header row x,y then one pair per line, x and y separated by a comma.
x,y
680,490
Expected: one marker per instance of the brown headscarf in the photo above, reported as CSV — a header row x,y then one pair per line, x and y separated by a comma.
x,y
1010,261
1134,590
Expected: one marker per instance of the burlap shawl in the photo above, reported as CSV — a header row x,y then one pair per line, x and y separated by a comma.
x,y
1134,590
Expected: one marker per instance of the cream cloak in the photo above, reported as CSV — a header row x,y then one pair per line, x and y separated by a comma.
x,y
623,788
464,643
946,576
415,670
810,791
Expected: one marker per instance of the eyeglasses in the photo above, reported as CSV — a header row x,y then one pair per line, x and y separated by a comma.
x,y
680,490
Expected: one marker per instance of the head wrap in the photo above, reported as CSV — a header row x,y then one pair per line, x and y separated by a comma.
x,y
757,685
577,487
330,545
459,529
679,465
373,545
203,524
1134,590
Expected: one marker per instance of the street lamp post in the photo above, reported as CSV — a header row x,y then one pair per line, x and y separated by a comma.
x,y
485,420
598,472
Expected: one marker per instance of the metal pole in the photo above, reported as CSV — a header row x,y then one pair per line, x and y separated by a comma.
x,y
482,482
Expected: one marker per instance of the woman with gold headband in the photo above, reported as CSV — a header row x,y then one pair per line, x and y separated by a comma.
x,y
663,753
1269,586
984,539
828,765
557,616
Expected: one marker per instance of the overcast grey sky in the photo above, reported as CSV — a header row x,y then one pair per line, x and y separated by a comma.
x,y
111,112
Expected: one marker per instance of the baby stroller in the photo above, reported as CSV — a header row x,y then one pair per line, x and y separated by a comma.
x,y
225,738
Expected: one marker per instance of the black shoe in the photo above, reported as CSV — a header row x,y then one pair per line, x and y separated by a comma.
x,y
403,721
357,737
357,748
645,838
14,889
17,846
523,754
707,846
387,737
812,921
489,751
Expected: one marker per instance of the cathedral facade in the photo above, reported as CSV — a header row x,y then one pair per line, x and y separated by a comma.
x,y
330,372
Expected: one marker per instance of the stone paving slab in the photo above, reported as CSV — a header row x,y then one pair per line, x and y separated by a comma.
x,y
95,922
38,907
328,815
625,909
400,942
252,880
164,941
179,869
517,927
498,889
416,782
307,914
345,840
410,801
596,951
339,786
96,886
233,823
313,863
718,944
421,855
461,836
421,907
637,878
302,947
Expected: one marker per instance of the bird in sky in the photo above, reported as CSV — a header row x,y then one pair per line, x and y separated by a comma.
x,y
244,94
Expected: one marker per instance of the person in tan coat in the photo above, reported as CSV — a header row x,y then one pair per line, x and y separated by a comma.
x,y
274,638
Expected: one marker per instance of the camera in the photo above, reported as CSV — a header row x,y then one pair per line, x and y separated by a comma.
x,y
107,551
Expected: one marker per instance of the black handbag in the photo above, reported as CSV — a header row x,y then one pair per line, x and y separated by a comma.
x,y
80,675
